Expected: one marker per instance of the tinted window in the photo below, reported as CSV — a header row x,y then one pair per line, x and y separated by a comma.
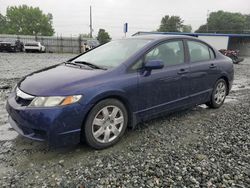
x,y
171,53
198,51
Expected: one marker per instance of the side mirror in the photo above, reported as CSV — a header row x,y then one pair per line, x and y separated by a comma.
x,y
154,64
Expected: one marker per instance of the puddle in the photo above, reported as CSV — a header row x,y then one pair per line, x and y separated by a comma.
x,y
240,84
238,87
7,133
3,170
203,106
231,100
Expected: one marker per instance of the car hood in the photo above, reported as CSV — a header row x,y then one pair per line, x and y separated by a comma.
x,y
59,80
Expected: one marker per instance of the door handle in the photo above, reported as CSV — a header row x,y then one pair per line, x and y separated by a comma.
x,y
183,71
212,66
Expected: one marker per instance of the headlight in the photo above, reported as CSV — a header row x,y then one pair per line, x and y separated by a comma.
x,y
54,101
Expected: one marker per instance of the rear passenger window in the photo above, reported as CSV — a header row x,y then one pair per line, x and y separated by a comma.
x,y
199,51
171,53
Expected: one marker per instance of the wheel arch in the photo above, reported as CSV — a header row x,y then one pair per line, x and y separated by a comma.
x,y
118,95
224,77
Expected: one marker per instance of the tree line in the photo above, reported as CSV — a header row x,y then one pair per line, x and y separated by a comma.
x,y
217,22
25,20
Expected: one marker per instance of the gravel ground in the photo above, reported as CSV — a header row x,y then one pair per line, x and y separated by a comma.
x,y
200,147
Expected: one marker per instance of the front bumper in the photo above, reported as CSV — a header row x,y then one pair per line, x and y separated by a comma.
x,y
58,126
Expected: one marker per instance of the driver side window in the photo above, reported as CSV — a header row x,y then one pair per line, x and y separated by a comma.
x,y
170,53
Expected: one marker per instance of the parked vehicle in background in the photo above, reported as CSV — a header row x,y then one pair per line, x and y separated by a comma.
x,y
90,44
95,96
233,54
34,47
93,43
11,45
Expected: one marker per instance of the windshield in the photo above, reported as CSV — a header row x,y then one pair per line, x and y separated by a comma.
x,y
113,53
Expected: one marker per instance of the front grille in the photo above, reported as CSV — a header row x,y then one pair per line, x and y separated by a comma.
x,y
23,102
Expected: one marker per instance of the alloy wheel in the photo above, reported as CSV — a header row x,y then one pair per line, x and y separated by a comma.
x,y
107,124
220,93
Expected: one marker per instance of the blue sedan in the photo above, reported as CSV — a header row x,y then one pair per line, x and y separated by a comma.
x,y
95,96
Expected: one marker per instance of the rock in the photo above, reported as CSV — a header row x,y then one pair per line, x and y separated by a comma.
x,y
201,157
80,186
226,176
198,169
193,180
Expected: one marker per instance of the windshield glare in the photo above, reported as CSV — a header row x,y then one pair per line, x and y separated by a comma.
x,y
113,53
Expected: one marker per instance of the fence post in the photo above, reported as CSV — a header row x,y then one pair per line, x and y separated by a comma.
x,y
80,44
57,43
61,44
71,43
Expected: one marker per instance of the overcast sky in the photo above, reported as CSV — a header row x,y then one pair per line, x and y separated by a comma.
x,y
71,17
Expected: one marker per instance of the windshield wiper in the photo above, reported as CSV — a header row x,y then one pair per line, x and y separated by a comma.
x,y
90,65
71,63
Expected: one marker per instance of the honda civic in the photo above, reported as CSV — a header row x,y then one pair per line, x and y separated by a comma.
x,y
97,95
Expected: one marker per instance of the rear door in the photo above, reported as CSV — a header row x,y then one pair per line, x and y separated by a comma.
x,y
203,71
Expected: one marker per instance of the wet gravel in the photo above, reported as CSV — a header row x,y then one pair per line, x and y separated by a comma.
x,y
200,147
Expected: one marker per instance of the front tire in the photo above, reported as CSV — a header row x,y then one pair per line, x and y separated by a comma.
x,y
218,95
105,124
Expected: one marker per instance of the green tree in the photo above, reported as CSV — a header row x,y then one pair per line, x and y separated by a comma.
x,y
103,36
225,22
171,24
2,24
247,26
187,28
202,29
26,20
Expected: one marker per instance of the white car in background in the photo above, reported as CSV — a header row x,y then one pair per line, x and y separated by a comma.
x,y
34,47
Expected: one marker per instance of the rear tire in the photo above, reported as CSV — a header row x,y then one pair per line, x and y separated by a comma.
x,y
218,95
105,124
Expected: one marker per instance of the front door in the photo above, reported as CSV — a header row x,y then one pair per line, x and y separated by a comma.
x,y
167,88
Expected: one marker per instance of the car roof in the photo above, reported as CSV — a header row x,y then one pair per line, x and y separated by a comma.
x,y
160,37
31,42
